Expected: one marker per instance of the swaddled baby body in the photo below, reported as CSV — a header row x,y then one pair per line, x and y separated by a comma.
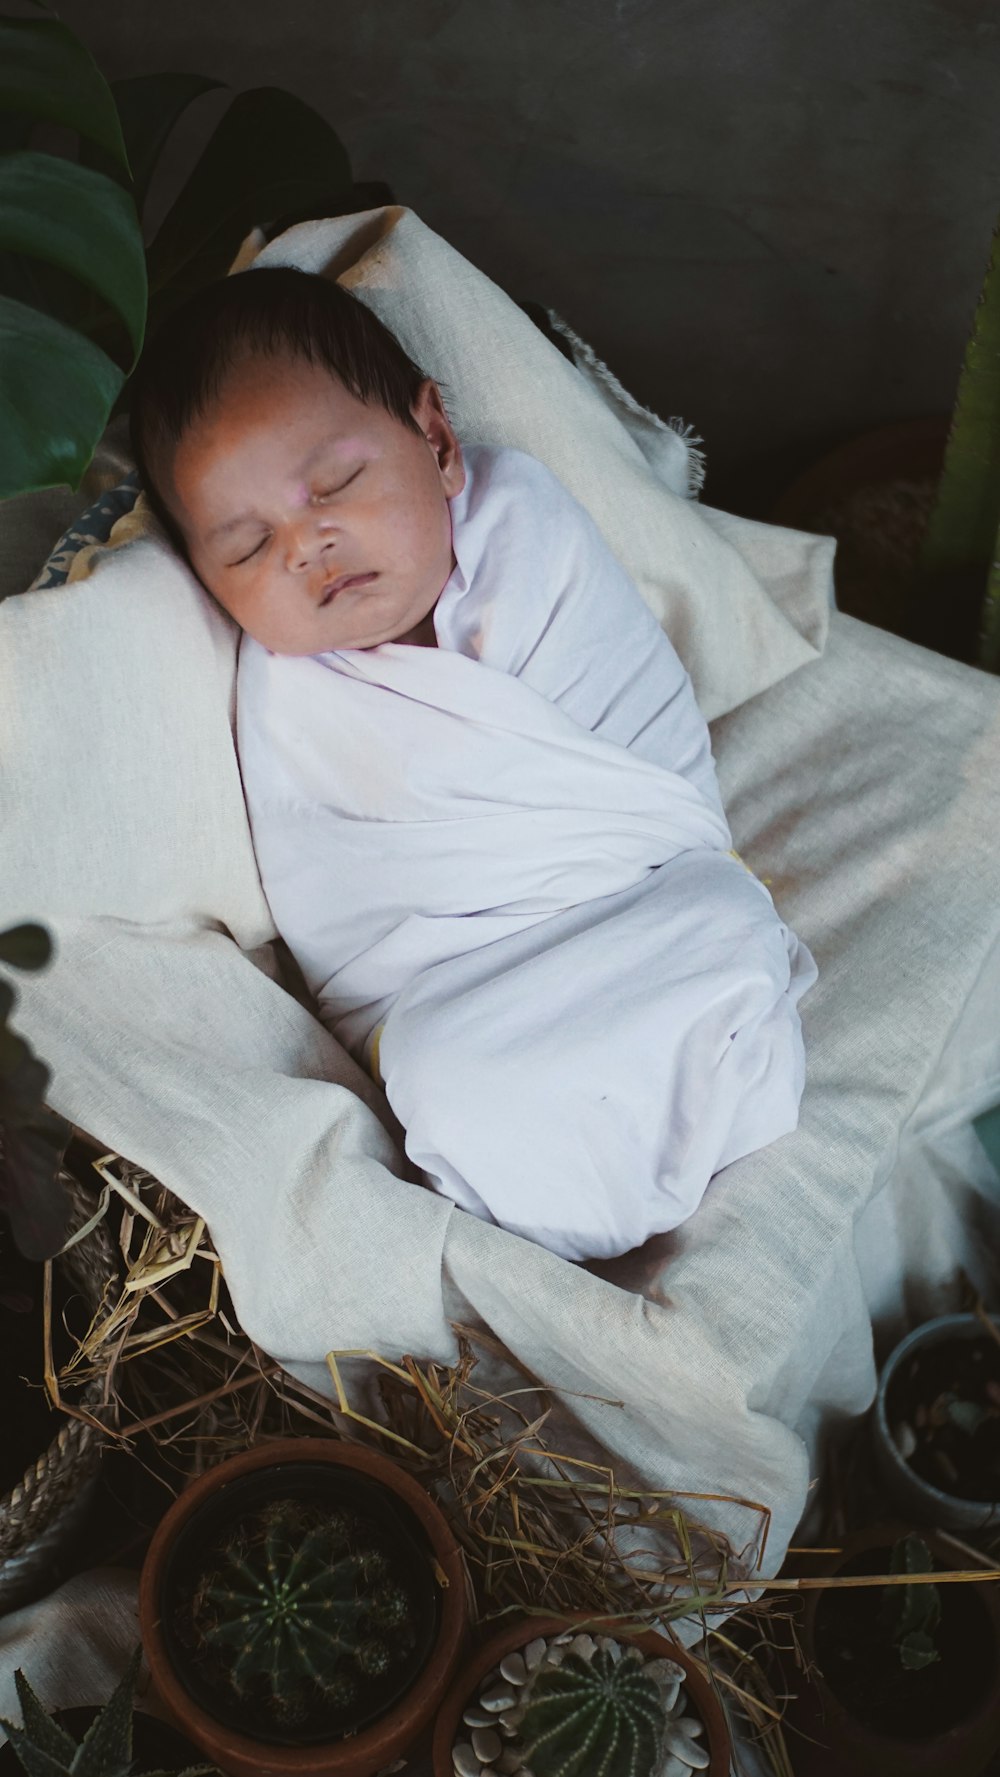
x,y
482,796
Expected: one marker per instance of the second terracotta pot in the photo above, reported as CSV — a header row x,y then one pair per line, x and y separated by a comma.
x,y
448,1727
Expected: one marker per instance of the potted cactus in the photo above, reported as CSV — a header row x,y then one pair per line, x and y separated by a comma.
x,y
900,1680
97,1742
935,1425
302,1609
568,1697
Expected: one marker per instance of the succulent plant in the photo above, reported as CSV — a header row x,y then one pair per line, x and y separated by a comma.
x,y
302,1605
593,1718
44,1749
911,1614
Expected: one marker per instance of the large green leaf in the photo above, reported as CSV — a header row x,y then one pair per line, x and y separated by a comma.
x,y
962,529
270,155
48,73
149,105
56,392
82,222
25,946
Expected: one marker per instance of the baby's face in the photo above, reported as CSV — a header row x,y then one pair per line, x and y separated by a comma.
x,y
317,521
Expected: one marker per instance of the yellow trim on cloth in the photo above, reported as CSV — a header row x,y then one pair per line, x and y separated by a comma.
x,y
373,1066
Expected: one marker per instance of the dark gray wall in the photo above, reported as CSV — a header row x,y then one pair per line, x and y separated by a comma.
x,y
769,216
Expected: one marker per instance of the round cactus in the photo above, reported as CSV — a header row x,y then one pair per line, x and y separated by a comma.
x,y
300,1609
593,1718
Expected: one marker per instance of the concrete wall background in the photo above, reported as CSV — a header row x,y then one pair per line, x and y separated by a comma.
x,y
769,216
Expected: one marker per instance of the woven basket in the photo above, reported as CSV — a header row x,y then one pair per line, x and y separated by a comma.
x,y
41,1514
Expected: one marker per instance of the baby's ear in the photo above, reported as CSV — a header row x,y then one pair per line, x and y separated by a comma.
x,y
429,414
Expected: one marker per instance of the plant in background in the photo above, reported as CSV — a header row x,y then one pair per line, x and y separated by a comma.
x,y
32,1138
910,1614
44,1749
78,287
963,532
302,1605
593,1718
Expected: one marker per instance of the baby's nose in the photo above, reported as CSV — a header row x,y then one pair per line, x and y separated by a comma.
x,y
306,545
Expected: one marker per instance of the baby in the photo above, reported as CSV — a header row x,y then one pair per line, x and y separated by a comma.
x,y
482,796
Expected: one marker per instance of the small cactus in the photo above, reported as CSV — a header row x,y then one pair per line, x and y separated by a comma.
x,y
593,1718
302,1606
44,1749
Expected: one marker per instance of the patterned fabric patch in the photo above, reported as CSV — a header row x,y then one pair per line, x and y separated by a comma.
x,y
92,527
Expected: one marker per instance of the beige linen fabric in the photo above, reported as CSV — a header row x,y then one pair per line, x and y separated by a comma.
x,y
863,787
740,620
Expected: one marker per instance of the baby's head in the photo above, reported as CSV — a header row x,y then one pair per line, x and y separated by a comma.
x,y
299,460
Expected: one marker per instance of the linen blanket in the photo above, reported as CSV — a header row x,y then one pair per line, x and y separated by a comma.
x,y
505,861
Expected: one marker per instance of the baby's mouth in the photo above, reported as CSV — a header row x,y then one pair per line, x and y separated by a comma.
x,y
343,581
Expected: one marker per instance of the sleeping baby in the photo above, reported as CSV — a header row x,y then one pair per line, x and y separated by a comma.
x,y
482,796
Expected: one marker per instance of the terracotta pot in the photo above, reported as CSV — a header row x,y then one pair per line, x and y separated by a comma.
x,y
832,1742
391,1735
448,1727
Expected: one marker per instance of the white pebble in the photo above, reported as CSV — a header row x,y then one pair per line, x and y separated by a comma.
x,y
500,1697
511,1719
563,1640
475,1717
555,1656
534,1653
905,1439
583,1646
509,1762
679,1740
608,1645
487,1745
465,1761
514,1669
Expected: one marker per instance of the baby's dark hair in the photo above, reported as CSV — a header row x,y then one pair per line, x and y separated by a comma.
x,y
265,313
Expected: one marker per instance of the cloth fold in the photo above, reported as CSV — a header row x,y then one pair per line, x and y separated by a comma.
x,y
508,856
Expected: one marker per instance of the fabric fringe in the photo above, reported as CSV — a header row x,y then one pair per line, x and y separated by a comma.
x,y
585,357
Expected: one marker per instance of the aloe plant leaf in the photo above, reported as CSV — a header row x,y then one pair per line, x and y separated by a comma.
x,y
25,946
82,222
42,1729
149,105
270,154
31,1758
106,1748
56,392
46,72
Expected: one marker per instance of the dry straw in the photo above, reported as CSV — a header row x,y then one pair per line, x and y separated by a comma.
x,y
545,1529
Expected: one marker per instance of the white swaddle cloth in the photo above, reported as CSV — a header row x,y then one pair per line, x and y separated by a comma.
x,y
506,860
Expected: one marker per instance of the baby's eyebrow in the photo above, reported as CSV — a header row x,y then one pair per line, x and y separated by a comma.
x,y
338,446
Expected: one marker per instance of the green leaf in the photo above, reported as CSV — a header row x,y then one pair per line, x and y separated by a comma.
x,y
987,1127
917,1650
106,1748
34,1198
149,106
56,392
25,946
41,1728
47,72
31,1758
82,222
270,154
962,528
